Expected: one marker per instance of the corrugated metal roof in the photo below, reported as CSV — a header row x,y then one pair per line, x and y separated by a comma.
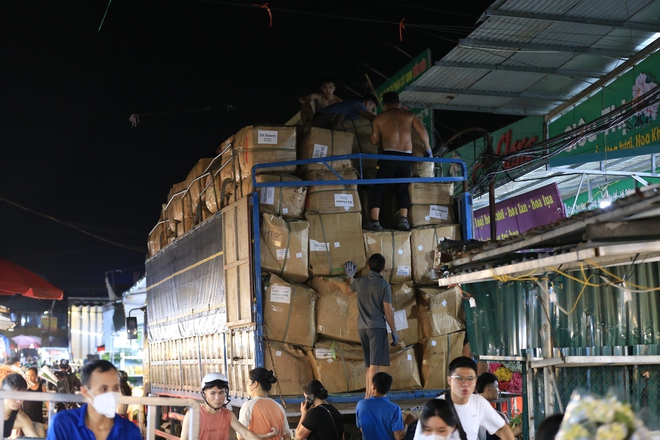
x,y
526,54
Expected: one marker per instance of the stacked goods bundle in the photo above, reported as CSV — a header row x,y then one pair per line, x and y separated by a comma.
x,y
420,169
436,353
333,199
293,368
336,309
404,370
424,242
224,170
441,311
264,144
174,209
431,203
320,142
285,201
332,242
338,365
395,247
284,247
361,128
157,238
196,179
406,313
289,311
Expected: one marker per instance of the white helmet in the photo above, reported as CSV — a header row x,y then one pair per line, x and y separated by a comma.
x,y
212,379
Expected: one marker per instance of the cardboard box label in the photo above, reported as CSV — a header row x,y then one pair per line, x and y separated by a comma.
x,y
278,353
299,255
284,210
345,200
403,271
370,240
316,246
267,196
324,353
282,254
267,137
440,212
280,294
319,151
434,343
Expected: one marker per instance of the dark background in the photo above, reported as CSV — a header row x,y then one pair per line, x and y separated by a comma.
x,y
195,72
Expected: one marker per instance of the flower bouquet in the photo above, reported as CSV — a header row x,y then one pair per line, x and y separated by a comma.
x,y
588,417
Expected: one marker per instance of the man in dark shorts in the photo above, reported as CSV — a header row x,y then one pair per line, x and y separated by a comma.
x,y
391,129
374,298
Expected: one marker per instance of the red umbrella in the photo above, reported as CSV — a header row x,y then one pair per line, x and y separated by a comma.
x,y
23,341
15,279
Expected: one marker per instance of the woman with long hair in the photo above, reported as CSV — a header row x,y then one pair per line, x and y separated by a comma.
x,y
261,414
319,420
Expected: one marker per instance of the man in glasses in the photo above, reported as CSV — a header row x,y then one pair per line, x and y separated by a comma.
x,y
473,410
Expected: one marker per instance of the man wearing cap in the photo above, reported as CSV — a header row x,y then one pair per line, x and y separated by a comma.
x,y
214,417
71,379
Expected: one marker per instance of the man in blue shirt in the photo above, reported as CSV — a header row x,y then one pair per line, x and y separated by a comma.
x,y
333,115
377,417
96,420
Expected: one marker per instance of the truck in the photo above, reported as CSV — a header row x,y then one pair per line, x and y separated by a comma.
x,y
207,290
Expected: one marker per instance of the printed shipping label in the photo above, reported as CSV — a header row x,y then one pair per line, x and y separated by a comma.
x,y
267,137
267,196
323,353
403,271
282,254
437,211
315,246
319,151
280,294
400,320
345,200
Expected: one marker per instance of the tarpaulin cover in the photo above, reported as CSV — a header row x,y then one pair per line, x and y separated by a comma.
x,y
185,289
508,317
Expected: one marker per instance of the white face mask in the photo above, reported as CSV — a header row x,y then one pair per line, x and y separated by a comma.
x,y
436,437
106,403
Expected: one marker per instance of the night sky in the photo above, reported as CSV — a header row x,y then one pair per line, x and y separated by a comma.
x,y
195,72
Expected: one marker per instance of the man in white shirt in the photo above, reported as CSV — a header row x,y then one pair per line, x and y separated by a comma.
x,y
473,410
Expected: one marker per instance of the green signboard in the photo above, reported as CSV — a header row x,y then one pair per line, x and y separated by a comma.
x,y
638,135
406,76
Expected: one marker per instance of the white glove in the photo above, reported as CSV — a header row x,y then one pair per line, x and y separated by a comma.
x,y
350,269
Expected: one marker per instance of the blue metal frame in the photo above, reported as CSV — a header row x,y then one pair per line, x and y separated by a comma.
x,y
465,216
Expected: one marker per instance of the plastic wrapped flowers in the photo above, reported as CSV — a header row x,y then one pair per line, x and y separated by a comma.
x,y
600,418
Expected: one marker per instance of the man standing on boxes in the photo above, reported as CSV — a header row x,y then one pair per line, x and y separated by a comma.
x,y
374,299
391,129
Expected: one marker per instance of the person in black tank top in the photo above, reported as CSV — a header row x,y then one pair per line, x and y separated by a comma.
x,y
34,409
14,418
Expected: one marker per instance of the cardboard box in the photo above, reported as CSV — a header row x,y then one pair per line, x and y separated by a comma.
x,y
440,310
333,199
431,193
196,180
288,202
404,370
320,142
292,365
289,311
223,169
336,309
157,238
425,215
332,242
264,144
361,128
284,247
406,313
338,365
436,354
395,247
423,169
423,243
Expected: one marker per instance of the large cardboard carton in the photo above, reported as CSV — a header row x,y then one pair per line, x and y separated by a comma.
x,y
406,313
338,365
320,142
430,214
423,243
404,370
292,365
284,247
336,309
285,201
361,128
196,180
431,193
289,311
440,310
264,144
395,247
436,354
221,183
423,169
333,241
157,238
333,199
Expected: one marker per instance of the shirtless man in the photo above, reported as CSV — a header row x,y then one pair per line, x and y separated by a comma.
x,y
321,100
392,130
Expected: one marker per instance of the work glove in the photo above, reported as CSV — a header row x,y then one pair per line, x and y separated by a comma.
x,y
428,153
350,269
395,339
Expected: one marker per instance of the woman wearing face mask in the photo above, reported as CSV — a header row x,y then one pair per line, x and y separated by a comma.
x,y
261,414
15,418
437,420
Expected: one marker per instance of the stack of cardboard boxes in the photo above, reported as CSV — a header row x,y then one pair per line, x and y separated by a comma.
x,y
307,234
